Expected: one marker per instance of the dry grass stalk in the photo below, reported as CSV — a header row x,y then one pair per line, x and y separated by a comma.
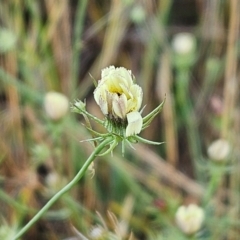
x,y
168,172
230,91
114,34
164,85
59,33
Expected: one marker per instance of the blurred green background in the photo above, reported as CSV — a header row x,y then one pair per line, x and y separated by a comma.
x,y
186,50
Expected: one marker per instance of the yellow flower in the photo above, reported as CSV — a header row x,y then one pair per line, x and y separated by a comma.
x,y
120,98
189,219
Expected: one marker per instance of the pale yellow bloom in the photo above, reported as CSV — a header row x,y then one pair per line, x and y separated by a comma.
x,y
189,218
118,97
56,105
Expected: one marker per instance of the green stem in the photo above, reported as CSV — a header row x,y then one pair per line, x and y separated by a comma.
x,y
212,186
78,29
79,175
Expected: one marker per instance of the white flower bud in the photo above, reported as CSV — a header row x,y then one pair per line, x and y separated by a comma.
x,y
118,96
219,150
183,43
56,105
189,218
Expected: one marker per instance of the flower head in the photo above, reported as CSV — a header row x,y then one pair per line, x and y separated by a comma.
x,y
120,98
189,219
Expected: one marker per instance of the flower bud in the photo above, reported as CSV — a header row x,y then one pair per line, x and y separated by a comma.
x,y
118,96
189,218
56,105
219,150
183,43
184,48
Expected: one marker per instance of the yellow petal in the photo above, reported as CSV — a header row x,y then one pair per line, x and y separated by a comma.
x,y
134,123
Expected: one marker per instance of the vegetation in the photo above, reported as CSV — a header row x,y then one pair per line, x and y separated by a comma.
x,y
187,51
